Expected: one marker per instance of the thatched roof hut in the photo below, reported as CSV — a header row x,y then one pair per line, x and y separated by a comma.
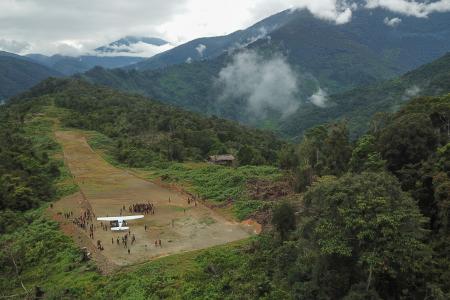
x,y
225,159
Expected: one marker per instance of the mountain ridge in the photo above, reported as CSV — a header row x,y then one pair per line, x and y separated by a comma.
x,y
18,73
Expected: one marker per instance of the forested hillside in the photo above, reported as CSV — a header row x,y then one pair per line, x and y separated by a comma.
x,y
193,87
18,74
69,65
148,131
359,105
305,157
369,220
334,58
345,55
375,224
211,47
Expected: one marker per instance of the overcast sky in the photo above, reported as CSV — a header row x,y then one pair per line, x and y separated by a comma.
x,y
78,26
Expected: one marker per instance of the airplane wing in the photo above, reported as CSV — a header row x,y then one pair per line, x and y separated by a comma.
x,y
126,218
108,219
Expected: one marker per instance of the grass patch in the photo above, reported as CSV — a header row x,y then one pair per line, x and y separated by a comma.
x,y
243,208
39,128
211,182
103,145
207,220
215,183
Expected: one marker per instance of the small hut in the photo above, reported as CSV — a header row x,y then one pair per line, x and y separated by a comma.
x,y
224,160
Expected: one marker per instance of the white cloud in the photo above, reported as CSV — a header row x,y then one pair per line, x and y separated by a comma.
x,y
411,8
200,49
320,98
411,92
262,82
47,24
189,60
394,22
237,46
14,46
70,48
139,49
339,12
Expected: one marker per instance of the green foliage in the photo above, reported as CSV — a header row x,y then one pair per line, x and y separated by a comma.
x,y
324,150
408,139
26,172
361,235
284,219
359,105
17,74
244,208
45,257
369,222
288,158
146,132
217,183
365,156
338,57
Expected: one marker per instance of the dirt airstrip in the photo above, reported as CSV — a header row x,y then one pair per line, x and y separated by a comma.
x,y
105,189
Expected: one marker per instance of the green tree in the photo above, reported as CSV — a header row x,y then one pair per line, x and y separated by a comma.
x,y
288,158
365,156
283,219
409,139
368,222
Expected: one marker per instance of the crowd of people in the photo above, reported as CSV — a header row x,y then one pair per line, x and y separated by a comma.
x,y
143,208
86,223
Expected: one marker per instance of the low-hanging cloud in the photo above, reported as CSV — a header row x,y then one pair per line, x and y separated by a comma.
x,y
411,92
94,23
264,83
394,22
139,49
262,33
411,8
337,11
320,98
200,49
14,46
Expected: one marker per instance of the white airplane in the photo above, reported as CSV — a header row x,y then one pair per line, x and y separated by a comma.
x,y
120,221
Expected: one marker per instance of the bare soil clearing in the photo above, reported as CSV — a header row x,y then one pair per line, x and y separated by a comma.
x,y
105,189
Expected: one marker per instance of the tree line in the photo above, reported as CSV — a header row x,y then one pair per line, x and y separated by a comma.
x,y
373,220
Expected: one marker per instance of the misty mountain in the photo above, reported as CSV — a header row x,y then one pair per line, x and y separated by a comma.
x,y
322,58
18,73
370,47
69,65
362,51
358,106
123,44
212,47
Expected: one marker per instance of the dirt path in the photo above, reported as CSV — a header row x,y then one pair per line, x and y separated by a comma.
x,y
105,190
